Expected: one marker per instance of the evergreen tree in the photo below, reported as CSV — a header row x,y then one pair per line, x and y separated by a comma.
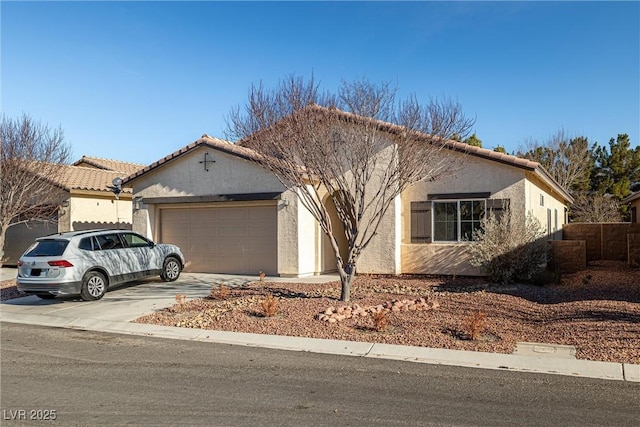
x,y
473,140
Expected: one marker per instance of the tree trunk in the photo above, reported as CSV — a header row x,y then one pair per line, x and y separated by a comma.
x,y
346,277
3,232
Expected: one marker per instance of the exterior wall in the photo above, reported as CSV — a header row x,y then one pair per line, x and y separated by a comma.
x,y
186,176
296,238
540,200
380,256
471,175
86,212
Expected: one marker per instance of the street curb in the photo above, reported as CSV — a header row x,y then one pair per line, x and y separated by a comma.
x,y
472,359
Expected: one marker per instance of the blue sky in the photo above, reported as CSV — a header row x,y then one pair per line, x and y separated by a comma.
x,y
136,81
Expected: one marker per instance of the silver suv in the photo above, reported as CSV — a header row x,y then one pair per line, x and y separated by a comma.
x,y
90,262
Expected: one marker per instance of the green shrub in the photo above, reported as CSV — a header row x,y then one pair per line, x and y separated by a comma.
x,y
510,247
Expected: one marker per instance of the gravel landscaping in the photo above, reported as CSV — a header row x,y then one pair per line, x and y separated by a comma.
x,y
596,310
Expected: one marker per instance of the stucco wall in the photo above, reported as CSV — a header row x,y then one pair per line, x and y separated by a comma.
x,y
539,206
86,211
470,175
380,256
186,176
296,237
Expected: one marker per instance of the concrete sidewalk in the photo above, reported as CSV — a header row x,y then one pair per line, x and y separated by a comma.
x,y
119,307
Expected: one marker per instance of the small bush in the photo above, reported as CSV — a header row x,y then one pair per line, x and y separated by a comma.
x,y
475,324
270,306
380,321
510,247
181,299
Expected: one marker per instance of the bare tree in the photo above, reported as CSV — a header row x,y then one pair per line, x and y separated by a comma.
x,y
596,207
28,167
361,147
567,159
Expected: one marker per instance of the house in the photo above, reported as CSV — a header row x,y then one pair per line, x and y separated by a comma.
x,y
634,200
86,201
230,215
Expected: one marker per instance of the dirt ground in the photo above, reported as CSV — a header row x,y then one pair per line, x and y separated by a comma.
x,y
596,310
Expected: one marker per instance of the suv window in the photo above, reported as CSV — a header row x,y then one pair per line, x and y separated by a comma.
x,y
48,248
109,241
88,244
135,240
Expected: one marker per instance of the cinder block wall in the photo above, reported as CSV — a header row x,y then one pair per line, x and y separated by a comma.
x,y
606,241
591,234
569,256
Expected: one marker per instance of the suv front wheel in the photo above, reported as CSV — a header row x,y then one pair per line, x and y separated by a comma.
x,y
171,269
94,286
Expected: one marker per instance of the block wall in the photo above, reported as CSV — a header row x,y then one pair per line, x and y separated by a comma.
x,y
569,256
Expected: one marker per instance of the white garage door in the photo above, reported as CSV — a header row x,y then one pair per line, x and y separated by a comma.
x,y
232,240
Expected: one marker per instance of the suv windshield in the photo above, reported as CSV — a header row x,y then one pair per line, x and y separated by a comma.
x,y
48,248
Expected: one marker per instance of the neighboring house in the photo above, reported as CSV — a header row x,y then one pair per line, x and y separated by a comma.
x,y
86,201
634,201
230,215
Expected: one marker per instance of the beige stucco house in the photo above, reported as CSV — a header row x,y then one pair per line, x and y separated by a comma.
x,y
86,201
634,201
230,215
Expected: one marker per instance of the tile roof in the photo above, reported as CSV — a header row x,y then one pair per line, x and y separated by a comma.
x,y
108,164
86,178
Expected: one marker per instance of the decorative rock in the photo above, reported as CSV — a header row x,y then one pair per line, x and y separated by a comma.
x,y
334,315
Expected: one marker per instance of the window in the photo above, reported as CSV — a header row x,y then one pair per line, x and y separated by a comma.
x,y
542,200
135,241
456,221
88,244
452,220
48,248
109,241
445,221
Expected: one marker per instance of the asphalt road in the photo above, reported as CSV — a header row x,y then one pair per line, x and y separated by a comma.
x,y
89,378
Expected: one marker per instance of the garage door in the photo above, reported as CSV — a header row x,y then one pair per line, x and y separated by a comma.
x,y
232,240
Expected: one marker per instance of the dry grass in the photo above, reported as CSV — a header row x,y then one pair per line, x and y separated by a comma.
x,y
380,321
269,306
475,324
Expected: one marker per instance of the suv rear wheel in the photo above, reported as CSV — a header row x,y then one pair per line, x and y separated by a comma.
x,y
94,286
171,269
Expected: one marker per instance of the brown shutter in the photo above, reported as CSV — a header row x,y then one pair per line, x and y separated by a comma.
x,y
420,222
